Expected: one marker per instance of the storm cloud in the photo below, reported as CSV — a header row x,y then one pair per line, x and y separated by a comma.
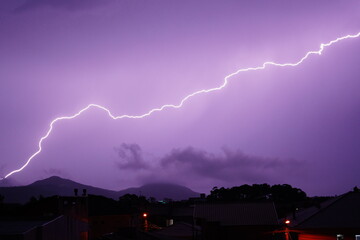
x,y
71,5
229,166
56,172
226,168
131,157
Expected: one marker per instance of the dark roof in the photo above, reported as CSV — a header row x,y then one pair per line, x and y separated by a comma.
x,y
18,227
342,212
172,211
179,230
183,211
236,214
305,213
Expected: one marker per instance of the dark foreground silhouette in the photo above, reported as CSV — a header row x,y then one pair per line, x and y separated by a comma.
x,y
251,212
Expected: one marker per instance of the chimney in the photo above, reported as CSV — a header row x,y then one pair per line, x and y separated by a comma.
x,y
76,192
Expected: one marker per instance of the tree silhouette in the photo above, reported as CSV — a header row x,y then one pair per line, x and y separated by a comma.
x,y
277,193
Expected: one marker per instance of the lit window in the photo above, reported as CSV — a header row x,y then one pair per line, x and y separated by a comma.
x,y
339,237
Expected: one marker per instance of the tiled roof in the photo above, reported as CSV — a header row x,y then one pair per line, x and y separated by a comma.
x,y
236,214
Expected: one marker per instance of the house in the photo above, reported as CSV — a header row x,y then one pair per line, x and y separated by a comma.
x,y
337,219
53,218
165,215
59,228
176,231
248,221
106,217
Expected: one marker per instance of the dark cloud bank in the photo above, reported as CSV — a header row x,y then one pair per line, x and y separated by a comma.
x,y
189,165
131,157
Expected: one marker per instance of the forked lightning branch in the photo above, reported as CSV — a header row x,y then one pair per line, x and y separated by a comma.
x,y
181,102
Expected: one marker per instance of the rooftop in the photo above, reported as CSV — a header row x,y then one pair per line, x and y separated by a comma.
x,y
236,214
18,227
341,212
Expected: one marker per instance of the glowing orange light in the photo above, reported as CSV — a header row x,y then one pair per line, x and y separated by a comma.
x,y
287,222
145,215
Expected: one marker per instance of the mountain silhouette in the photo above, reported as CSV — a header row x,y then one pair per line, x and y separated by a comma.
x,y
65,187
161,191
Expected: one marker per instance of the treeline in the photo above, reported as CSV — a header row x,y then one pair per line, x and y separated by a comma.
x,y
279,193
287,200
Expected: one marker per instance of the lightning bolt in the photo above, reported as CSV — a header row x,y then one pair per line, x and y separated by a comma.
x,y
181,103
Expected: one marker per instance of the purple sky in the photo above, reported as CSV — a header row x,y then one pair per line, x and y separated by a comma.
x,y
299,126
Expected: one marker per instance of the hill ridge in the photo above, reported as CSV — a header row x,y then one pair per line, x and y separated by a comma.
x,y
56,185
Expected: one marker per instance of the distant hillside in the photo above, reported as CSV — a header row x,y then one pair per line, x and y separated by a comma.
x,y
64,187
8,183
50,187
161,191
